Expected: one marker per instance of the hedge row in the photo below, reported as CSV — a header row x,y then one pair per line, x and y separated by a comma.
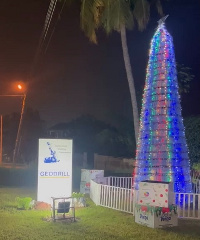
x,y
18,176
27,177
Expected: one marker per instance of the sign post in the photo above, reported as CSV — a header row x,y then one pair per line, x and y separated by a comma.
x,y
54,169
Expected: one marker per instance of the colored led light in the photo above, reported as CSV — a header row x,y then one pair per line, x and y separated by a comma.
x,y
162,153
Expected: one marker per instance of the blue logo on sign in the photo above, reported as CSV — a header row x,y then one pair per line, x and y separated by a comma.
x,y
52,158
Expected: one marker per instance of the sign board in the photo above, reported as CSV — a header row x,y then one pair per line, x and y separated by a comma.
x,y
54,169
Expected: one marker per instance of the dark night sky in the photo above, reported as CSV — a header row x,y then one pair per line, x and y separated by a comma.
x,y
75,76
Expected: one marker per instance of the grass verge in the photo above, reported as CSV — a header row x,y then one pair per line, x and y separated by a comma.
x,y
93,222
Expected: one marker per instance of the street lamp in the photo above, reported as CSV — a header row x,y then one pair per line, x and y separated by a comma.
x,y
20,87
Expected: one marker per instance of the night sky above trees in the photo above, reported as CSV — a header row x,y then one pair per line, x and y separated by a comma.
x,y
76,77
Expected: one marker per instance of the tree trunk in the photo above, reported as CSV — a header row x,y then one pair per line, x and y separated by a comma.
x,y
130,81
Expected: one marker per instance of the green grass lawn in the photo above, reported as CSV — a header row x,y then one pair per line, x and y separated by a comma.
x,y
93,222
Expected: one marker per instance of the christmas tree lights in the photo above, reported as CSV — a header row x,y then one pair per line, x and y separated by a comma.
x,y
162,153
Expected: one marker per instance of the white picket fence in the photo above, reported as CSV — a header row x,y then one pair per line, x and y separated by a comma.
x,y
116,193
117,198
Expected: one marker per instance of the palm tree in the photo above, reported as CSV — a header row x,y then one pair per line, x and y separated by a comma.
x,y
117,15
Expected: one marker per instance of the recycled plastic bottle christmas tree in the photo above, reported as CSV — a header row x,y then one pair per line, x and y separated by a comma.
x,y
162,153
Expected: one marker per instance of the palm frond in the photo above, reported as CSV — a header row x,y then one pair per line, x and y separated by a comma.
x,y
111,14
141,13
116,13
106,21
98,8
88,25
159,7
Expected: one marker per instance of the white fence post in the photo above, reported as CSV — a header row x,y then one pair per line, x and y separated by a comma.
x,y
95,192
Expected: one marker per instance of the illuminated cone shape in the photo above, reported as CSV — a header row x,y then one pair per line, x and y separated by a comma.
x,y
162,153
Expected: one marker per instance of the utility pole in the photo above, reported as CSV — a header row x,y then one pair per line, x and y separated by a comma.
x,y
21,87
17,142
1,139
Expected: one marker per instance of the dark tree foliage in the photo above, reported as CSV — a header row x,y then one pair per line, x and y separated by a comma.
x,y
192,131
83,131
185,76
10,126
32,129
93,136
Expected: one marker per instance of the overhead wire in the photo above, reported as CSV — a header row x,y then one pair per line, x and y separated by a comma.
x,y
40,47
43,35
58,18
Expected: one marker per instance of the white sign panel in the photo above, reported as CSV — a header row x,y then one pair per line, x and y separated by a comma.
x,y
54,169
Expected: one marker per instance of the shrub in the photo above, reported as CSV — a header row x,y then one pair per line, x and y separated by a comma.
x,y
77,195
24,203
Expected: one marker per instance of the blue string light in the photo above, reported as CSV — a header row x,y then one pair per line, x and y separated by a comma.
x,y
162,153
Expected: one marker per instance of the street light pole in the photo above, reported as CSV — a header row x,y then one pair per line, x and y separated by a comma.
x,y
1,144
17,142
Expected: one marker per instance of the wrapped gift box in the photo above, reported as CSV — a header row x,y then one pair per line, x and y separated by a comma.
x,y
85,187
156,217
156,193
87,175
